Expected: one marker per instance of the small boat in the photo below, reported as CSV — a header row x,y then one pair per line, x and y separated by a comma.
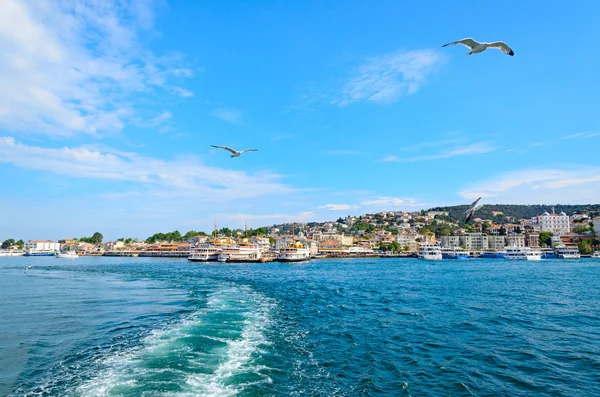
x,y
11,252
596,255
523,253
455,253
68,255
430,252
565,252
493,254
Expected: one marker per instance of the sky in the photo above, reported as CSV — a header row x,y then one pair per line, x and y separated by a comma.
x,y
108,111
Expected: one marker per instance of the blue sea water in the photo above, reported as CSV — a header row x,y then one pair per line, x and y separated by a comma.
x,y
388,327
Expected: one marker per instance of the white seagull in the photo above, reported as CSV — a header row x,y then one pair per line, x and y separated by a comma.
x,y
480,47
474,207
27,268
234,152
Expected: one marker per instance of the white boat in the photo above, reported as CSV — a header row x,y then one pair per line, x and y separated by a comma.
x,y
240,253
596,255
295,253
11,253
68,255
204,253
430,252
523,253
455,253
564,252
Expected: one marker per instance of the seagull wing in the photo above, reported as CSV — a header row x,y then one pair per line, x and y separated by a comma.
x,y
469,216
466,42
474,204
249,150
226,148
503,47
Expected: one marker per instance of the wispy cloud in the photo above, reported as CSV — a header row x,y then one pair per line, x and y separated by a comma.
x,y
391,202
386,78
257,220
337,207
468,150
73,67
582,135
232,116
576,184
344,153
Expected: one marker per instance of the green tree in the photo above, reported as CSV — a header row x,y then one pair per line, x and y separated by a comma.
x,y
20,244
585,247
395,247
8,243
97,238
545,239
225,231
128,241
502,231
121,239
580,229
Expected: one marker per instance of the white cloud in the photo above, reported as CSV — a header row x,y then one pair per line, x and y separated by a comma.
x,y
577,184
239,220
182,178
232,116
337,207
344,153
386,201
468,150
73,67
582,135
385,78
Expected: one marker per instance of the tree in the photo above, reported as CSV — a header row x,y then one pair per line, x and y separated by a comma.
x,y
502,231
518,230
545,239
8,243
128,241
20,244
96,238
225,231
121,239
585,247
580,229
395,247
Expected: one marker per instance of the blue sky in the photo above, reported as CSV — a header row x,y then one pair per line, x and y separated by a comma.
x,y
108,111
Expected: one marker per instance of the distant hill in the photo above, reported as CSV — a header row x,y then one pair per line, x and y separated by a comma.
x,y
517,212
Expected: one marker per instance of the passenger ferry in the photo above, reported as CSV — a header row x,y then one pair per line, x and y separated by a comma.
x,y
39,253
523,253
244,252
208,252
455,253
493,254
565,252
296,253
11,253
430,252
68,255
548,253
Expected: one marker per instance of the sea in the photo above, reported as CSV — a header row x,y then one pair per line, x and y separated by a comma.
x,y
97,326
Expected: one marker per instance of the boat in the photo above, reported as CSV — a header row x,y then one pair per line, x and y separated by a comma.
x,y
523,253
39,253
11,253
296,253
493,254
204,253
244,252
565,252
596,255
548,253
68,254
430,252
455,253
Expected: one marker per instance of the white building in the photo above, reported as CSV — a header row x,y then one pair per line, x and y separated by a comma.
x,y
556,224
450,241
345,240
515,240
474,241
597,225
42,245
496,242
407,241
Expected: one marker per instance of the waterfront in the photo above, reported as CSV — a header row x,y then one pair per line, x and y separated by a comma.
x,y
150,326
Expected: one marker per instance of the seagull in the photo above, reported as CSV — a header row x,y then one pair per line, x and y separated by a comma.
x,y
474,207
235,152
27,268
480,47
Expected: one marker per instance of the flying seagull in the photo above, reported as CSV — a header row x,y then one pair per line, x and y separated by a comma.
x,y
474,207
480,47
234,152
27,268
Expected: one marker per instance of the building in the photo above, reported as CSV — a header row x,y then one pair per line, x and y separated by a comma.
x,y
42,245
515,240
113,245
596,223
474,241
532,240
556,224
407,240
344,240
433,214
450,241
496,242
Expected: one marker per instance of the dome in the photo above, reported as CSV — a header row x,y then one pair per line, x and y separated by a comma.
x,y
563,214
546,213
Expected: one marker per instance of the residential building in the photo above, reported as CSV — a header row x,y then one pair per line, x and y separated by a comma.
x,y
474,241
198,239
557,224
515,240
496,242
344,240
433,214
450,241
42,245
113,245
407,240
597,225
532,240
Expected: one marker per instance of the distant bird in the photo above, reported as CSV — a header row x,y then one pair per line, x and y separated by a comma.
x,y
480,47
474,207
235,152
27,268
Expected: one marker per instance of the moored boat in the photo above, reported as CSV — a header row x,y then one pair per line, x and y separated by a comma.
x,y
296,253
67,255
243,252
493,254
564,252
430,252
455,253
11,252
548,253
204,252
596,255
523,253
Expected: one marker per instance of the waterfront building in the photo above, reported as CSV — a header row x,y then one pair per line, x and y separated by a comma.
x,y
515,240
450,241
496,242
596,223
474,241
42,245
344,240
557,224
532,240
407,240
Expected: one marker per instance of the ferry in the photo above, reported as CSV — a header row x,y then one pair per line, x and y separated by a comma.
x,y
455,253
548,253
67,255
523,253
204,253
11,253
430,252
596,255
243,252
39,253
565,252
296,253
493,254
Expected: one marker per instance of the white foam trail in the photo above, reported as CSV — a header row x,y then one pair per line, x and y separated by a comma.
x,y
249,312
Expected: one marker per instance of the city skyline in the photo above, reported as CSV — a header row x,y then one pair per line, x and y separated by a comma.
x,y
108,113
